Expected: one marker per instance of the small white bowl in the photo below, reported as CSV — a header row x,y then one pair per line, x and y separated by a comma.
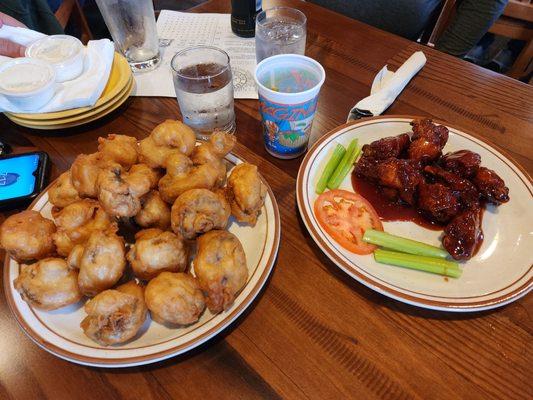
x,y
27,83
64,52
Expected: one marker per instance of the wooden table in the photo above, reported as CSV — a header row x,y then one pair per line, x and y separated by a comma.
x,y
314,332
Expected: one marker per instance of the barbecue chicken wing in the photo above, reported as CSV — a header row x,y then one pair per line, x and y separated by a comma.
x,y
463,234
392,146
427,141
462,162
491,187
463,189
403,176
437,202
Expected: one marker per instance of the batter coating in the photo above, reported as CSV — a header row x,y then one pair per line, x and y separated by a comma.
x,y
174,298
169,137
198,211
77,221
27,236
220,267
213,152
84,172
101,261
62,193
115,315
121,149
246,193
182,175
155,213
120,192
156,251
48,284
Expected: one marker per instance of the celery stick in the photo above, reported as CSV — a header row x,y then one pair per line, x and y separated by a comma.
x,y
335,159
427,264
345,165
404,245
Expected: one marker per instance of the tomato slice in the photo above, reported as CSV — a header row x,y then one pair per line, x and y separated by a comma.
x,y
345,216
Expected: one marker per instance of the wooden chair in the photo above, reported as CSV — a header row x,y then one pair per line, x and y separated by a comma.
x,y
71,8
516,22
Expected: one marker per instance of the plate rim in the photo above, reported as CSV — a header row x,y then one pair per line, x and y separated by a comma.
x,y
89,113
377,286
231,316
95,112
65,125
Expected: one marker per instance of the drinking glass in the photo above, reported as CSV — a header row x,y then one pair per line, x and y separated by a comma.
x,y
132,26
204,89
279,30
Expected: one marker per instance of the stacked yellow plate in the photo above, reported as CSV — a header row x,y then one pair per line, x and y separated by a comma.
x,y
118,89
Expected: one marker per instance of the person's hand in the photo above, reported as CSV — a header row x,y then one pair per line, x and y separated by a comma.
x,y
7,47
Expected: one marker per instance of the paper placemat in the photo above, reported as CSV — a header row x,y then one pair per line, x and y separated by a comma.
x,y
178,30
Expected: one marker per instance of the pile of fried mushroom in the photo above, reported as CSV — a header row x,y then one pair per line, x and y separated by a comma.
x,y
176,195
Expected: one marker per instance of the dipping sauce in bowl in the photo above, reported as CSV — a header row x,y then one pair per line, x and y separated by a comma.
x,y
64,52
27,83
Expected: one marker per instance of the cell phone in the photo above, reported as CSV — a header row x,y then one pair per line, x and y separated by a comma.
x,y
22,178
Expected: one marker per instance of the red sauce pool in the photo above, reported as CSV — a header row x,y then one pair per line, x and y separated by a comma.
x,y
390,211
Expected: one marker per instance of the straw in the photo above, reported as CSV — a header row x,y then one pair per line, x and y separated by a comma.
x,y
273,80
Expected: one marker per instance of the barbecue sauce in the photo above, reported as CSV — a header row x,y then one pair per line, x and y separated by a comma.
x,y
387,210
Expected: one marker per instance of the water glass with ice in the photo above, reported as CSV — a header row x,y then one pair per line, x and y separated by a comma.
x,y
204,89
280,30
133,28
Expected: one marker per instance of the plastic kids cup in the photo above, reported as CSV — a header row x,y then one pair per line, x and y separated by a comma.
x,y
288,92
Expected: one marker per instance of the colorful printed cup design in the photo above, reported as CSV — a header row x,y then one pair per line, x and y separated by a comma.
x,y
288,86
286,128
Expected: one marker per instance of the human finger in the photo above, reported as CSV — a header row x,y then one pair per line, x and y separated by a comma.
x,y
8,20
11,49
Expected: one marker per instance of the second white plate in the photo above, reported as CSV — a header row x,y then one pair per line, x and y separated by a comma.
x,y
499,273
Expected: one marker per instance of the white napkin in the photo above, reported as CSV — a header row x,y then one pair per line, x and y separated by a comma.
x,y
22,36
388,85
80,92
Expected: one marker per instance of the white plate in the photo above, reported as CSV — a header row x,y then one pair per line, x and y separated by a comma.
x,y
498,274
59,333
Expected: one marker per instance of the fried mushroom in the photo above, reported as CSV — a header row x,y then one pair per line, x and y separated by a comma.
x,y
62,192
121,149
169,137
84,172
213,151
115,315
120,191
246,193
220,266
101,261
77,221
48,284
174,298
182,175
198,211
27,236
156,251
154,213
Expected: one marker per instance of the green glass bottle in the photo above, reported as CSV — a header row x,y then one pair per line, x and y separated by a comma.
x,y
243,13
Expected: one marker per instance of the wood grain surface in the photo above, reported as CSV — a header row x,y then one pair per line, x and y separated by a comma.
x,y
314,333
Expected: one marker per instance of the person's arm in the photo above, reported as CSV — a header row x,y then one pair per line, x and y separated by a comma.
x,y
472,20
7,47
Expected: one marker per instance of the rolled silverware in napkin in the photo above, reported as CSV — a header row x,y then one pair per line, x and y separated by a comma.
x,y
386,87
